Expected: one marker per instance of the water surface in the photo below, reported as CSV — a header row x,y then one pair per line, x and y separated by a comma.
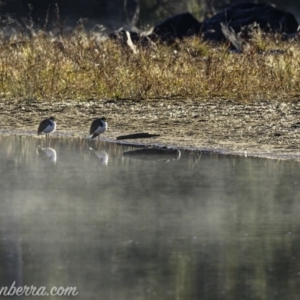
x,y
198,226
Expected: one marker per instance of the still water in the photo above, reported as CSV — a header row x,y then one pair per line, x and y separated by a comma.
x,y
195,226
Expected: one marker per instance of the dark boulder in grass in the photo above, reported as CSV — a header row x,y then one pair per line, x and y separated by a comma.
x,y
179,26
235,18
176,27
240,15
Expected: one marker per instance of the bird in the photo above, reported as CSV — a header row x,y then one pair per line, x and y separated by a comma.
x,y
98,127
47,126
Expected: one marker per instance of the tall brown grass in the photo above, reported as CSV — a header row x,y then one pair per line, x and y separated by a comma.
x,y
84,65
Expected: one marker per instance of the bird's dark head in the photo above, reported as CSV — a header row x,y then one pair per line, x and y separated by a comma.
x,y
52,118
103,119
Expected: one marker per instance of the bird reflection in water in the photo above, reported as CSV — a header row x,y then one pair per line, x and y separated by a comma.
x,y
47,153
100,154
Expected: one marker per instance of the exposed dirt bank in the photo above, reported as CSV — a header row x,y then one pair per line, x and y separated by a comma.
x,y
263,128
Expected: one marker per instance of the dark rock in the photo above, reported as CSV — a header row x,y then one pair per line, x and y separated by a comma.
x,y
240,15
142,135
225,25
235,17
178,26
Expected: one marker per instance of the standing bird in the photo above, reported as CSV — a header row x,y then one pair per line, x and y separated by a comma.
x,y
98,127
47,126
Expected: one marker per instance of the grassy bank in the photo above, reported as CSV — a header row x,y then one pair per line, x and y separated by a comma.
x,y
82,66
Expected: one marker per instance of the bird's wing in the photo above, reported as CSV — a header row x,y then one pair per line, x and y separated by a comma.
x,y
43,125
95,124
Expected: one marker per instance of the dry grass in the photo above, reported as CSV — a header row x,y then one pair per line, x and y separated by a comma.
x,y
82,66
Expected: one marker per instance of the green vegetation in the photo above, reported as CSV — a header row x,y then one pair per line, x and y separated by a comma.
x,y
83,65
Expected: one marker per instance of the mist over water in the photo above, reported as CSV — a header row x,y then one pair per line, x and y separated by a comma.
x,y
198,226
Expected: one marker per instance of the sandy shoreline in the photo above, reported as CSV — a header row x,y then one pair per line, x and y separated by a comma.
x,y
262,128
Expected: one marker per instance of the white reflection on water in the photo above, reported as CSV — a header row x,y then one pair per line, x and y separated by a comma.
x,y
210,226
100,154
49,153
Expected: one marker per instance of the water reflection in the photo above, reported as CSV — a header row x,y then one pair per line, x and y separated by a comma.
x,y
154,154
48,153
101,155
205,226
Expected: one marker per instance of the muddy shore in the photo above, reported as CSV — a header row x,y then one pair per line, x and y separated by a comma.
x,y
263,128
